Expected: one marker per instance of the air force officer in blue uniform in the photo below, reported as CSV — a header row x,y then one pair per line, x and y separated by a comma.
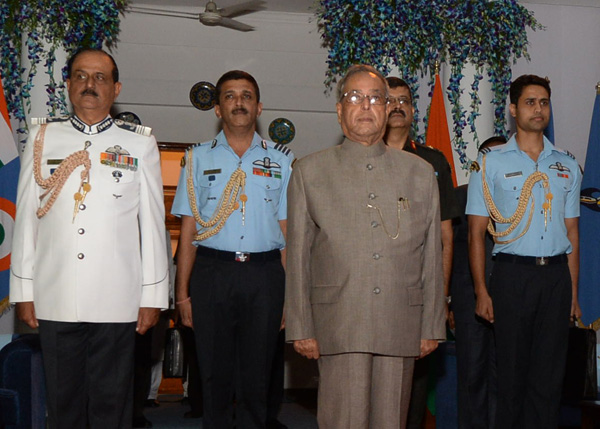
x,y
530,189
230,277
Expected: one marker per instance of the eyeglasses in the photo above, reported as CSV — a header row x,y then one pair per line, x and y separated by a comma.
x,y
400,100
356,98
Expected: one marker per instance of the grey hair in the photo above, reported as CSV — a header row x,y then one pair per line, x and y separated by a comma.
x,y
355,69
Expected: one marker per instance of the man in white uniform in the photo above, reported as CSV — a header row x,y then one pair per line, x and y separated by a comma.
x,y
89,262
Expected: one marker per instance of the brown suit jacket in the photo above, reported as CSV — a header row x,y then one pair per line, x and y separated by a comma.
x,y
350,285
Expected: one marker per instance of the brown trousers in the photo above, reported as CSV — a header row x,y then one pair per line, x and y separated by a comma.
x,y
362,391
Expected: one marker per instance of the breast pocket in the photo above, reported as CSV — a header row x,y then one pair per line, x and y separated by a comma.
x,y
511,194
269,190
116,183
210,190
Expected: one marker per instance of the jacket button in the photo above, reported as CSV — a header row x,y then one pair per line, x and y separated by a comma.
x,y
372,196
80,256
376,291
81,231
374,224
369,167
376,256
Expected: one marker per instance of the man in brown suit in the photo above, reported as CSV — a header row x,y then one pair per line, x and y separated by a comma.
x,y
364,286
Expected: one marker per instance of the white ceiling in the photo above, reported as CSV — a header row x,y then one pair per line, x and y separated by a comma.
x,y
271,5
306,5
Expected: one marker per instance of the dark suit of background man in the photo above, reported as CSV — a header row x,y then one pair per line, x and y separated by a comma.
x,y
397,136
230,260
364,287
530,189
89,261
475,347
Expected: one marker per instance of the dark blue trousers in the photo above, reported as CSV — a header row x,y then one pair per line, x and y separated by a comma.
x,y
237,309
531,309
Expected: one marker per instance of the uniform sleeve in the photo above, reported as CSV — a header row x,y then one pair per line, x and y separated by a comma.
x,y
155,270
181,202
282,212
448,205
300,235
475,201
25,229
433,318
573,204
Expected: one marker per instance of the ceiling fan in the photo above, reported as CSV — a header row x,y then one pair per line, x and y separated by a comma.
x,y
212,15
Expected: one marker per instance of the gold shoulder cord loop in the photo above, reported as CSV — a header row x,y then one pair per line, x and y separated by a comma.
x,y
227,203
54,184
517,217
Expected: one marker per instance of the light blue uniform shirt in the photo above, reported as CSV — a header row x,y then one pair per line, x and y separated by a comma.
x,y
267,167
507,168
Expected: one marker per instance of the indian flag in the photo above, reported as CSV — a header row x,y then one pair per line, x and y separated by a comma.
x,y
9,176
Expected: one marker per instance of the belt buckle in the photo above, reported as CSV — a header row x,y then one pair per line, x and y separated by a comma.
x,y
242,257
542,260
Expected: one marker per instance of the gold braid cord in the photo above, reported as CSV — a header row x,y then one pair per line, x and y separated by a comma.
x,y
54,184
227,204
517,217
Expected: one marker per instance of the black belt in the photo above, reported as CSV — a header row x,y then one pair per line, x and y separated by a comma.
x,y
223,255
532,260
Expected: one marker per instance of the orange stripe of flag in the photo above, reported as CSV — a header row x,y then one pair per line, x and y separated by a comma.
x,y
438,135
3,108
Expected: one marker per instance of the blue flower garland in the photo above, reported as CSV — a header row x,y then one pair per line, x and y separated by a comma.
x,y
49,25
413,34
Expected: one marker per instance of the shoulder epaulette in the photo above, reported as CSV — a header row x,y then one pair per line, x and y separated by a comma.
x,y
433,148
474,166
283,149
485,150
566,152
427,147
129,126
42,121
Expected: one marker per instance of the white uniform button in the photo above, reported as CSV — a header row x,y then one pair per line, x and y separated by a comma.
x,y
372,196
81,231
369,167
81,206
376,291
374,224
376,256
80,256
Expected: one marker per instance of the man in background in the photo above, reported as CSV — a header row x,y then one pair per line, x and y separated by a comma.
x,y
475,348
398,136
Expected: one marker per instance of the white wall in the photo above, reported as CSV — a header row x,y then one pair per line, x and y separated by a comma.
x,y
161,58
567,52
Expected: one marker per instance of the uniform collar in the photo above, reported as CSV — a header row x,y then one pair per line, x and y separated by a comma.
x,y
361,151
512,145
257,140
97,128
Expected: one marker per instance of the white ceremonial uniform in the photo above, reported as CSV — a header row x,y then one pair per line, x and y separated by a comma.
x,y
108,261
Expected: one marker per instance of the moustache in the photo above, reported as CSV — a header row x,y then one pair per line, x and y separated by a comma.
x,y
398,112
239,110
89,92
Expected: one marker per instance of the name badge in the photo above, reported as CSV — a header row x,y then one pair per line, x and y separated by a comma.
x,y
513,174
